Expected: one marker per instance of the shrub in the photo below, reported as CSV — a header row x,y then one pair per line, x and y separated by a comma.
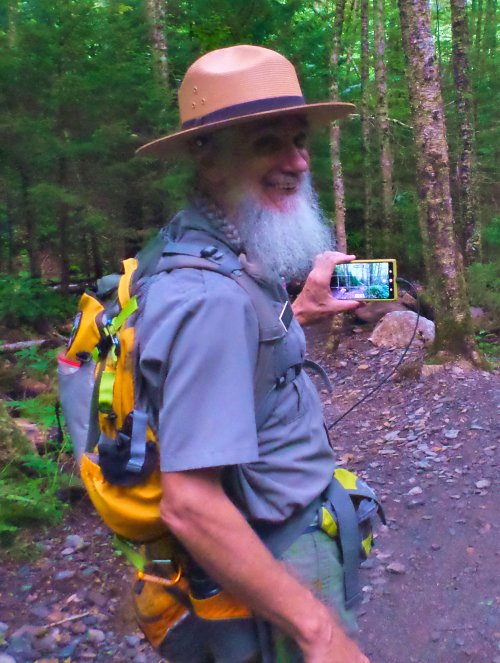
x,y
27,301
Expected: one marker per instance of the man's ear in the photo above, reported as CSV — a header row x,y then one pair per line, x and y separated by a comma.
x,y
203,151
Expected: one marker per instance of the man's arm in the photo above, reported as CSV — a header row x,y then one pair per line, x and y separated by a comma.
x,y
197,511
315,302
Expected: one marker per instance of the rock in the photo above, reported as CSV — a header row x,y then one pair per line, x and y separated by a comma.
x,y
97,598
431,369
396,567
45,645
476,312
39,610
483,483
74,541
95,635
415,491
396,329
78,628
415,503
5,658
374,311
31,387
64,575
132,640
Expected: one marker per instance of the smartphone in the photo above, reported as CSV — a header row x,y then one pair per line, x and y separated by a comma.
x,y
365,280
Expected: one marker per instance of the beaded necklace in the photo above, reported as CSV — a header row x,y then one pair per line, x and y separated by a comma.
x,y
218,220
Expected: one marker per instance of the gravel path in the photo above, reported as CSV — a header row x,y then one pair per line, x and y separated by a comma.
x,y
427,443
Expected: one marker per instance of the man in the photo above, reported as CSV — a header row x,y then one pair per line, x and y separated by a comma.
x,y
245,126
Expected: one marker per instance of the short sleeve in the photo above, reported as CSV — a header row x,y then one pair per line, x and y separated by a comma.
x,y
198,344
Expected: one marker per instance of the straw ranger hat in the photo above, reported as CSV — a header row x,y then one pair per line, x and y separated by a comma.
x,y
236,85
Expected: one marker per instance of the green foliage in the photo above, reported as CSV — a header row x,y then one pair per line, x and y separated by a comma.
x,y
28,495
36,361
484,286
40,410
27,301
488,343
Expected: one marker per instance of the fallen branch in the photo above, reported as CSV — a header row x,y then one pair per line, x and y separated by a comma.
x,y
67,619
20,345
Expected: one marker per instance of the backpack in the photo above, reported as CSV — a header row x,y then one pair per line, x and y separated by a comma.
x,y
110,424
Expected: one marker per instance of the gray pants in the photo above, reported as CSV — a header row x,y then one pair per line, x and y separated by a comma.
x,y
314,560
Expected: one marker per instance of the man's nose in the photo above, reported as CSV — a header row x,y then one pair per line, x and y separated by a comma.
x,y
295,160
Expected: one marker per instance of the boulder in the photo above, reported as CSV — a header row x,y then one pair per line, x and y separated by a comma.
x,y
372,312
375,311
396,329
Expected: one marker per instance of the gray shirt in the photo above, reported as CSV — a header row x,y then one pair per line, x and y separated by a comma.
x,y
198,341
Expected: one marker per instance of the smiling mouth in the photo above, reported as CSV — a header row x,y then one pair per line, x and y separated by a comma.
x,y
288,185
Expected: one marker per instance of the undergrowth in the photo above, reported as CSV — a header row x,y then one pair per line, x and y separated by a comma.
x,y
31,485
29,494
28,301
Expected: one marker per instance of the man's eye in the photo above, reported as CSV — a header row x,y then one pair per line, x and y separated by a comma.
x,y
300,141
267,144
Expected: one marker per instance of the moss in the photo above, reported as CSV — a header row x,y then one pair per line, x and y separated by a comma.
x,y
12,442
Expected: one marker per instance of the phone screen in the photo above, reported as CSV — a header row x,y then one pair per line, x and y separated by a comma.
x,y
365,280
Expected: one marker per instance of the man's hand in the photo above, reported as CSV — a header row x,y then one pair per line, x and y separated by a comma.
x,y
333,646
315,302
196,509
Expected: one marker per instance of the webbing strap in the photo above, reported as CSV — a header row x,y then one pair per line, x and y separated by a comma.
x,y
129,308
138,441
105,397
349,539
279,538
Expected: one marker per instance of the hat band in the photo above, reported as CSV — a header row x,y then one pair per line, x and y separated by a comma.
x,y
246,108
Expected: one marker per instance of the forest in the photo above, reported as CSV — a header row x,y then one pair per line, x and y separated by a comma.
x,y
410,176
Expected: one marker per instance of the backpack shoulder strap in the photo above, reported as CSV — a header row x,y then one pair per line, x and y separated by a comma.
x,y
274,313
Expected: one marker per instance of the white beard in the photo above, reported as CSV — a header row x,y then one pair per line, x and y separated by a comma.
x,y
284,243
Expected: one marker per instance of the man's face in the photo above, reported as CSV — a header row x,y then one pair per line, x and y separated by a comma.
x,y
266,161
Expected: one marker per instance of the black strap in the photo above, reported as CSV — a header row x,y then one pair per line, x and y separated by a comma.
x,y
279,537
349,539
317,368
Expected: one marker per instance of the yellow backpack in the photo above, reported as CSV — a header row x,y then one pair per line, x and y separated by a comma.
x,y
118,454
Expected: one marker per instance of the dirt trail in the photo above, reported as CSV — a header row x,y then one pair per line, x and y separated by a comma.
x,y
429,445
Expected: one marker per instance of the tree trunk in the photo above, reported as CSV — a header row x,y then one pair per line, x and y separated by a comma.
x,y
30,227
96,255
453,324
63,227
157,10
467,199
337,176
365,131
383,129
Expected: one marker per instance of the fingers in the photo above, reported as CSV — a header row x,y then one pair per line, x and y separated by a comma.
x,y
344,305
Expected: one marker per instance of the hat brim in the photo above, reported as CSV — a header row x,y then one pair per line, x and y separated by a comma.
x,y
321,113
